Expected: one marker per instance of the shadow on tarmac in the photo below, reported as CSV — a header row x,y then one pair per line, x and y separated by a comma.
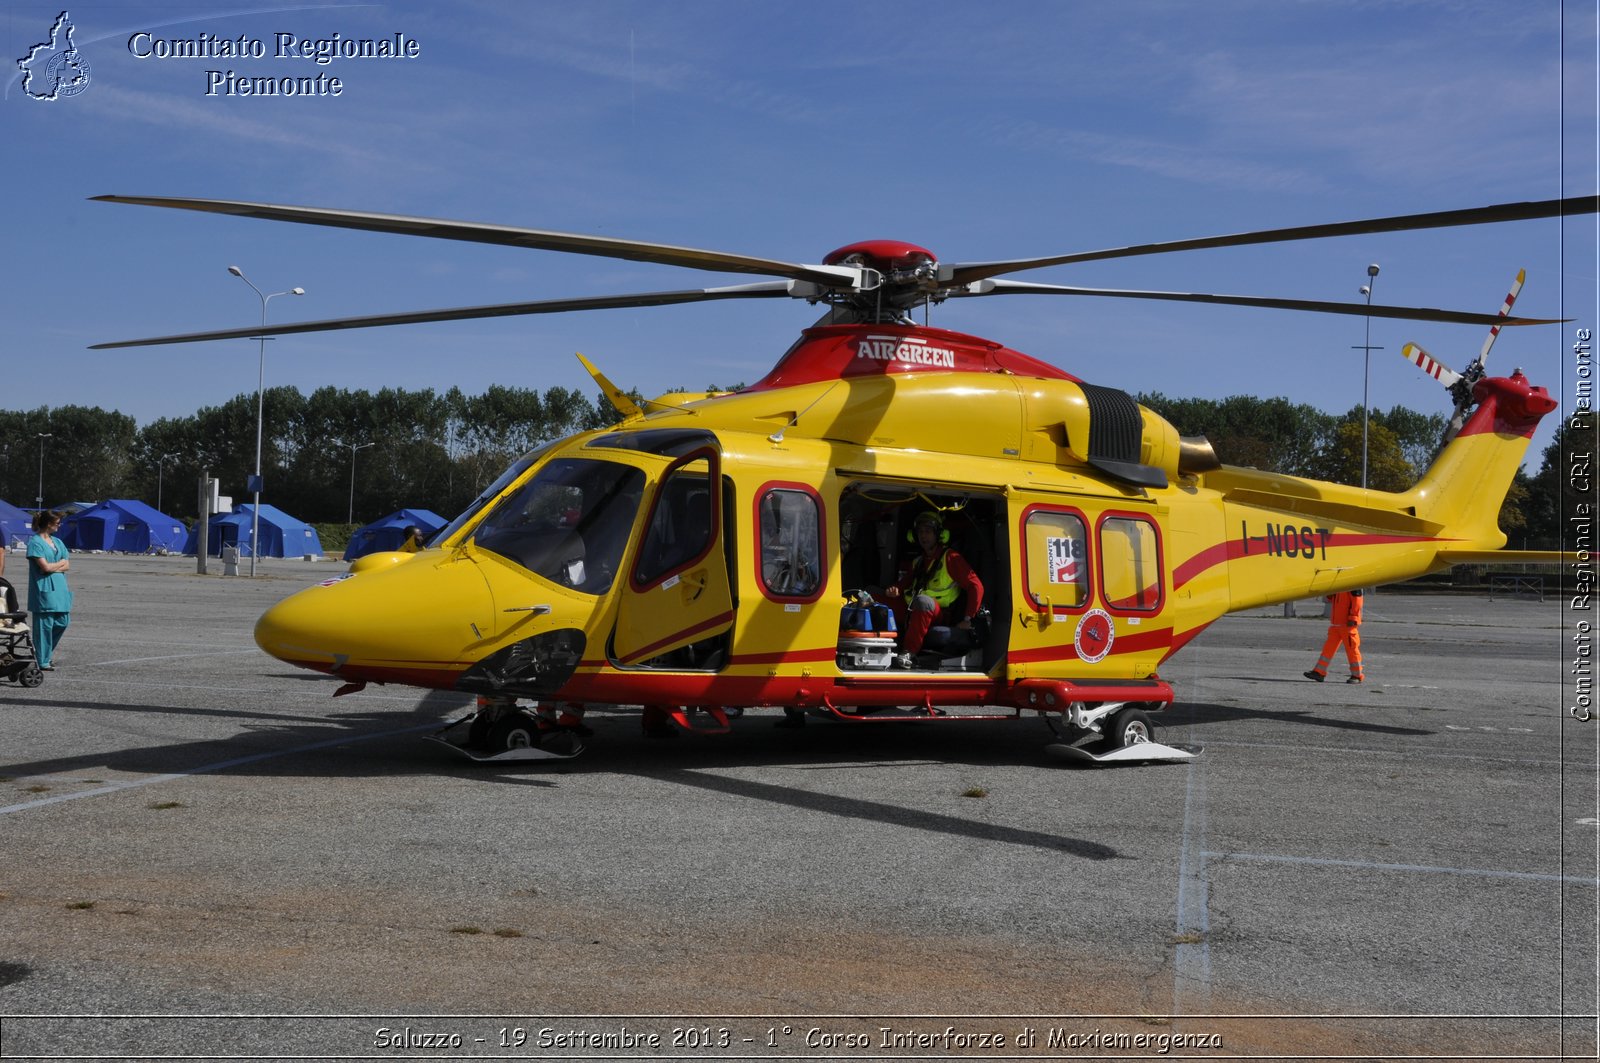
x,y
1201,714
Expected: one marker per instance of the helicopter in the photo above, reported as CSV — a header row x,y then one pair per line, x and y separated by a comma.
x,y
722,551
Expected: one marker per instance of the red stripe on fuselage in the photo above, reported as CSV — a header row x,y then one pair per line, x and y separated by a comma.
x,y
1123,644
1233,549
646,652
1207,558
809,656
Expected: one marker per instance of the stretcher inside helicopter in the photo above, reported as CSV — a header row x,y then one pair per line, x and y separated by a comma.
x,y
877,546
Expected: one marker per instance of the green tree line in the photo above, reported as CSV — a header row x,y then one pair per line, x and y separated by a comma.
x,y
1301,440
438,451
407,448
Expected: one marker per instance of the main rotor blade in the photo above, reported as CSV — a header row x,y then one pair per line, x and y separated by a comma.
x,y
1404,313
509,236
765,289
967,272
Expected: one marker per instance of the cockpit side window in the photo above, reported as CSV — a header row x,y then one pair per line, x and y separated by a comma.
x,y
569,524
682,523
788,521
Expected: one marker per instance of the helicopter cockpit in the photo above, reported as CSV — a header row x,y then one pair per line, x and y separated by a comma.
x,y
569,523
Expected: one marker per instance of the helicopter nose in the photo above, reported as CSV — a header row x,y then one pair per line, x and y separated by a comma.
x,y
423,622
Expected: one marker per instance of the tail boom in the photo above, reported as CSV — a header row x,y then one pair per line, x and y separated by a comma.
x,y
1282,537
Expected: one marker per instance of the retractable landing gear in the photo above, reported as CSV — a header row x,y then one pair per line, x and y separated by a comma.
x,y
500,732
1110,732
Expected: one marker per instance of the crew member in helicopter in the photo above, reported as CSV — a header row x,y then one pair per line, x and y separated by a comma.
x,y
931,587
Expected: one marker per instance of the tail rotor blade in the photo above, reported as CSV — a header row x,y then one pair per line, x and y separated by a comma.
x,y
1494,332
1428,364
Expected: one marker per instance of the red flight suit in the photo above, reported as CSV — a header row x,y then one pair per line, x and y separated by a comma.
x,y
1344,629
916,615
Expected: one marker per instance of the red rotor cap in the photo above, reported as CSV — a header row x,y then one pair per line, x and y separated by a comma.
x,y
882,255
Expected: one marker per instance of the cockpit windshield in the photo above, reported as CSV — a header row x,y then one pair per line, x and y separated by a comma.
x,y
488,494
569,524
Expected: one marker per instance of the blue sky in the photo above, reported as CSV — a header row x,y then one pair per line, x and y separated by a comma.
x,y
786,131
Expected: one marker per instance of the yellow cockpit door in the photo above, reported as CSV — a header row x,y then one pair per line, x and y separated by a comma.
x,y
676,609
1051,588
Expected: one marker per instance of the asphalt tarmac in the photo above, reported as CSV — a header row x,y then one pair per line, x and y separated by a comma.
x,y
202,853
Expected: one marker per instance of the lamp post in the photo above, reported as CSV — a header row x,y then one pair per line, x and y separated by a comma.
x,y
39,501
350,518
1366,371
261,373
160,464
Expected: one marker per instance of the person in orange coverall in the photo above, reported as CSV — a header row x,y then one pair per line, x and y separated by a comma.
x,y
1344,629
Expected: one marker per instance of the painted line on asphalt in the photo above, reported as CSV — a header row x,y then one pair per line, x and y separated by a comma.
x,y
1406,754
175,657
235,691
221,765
1191,960
1429,869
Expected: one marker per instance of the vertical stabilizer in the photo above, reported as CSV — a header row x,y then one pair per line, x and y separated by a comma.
x,y
1465,485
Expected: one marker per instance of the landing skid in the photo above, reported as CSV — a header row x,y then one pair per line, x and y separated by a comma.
x,y
516,741
1137,753
1121,731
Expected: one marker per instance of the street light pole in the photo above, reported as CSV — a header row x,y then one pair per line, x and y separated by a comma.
x,y
160,465
39,501
1366,370
261,375
350,518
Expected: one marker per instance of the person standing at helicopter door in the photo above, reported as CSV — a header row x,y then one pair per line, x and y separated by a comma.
x,y
932,585
1344,629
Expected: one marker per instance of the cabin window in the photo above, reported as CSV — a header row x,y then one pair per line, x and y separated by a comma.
x,y
1056,547
682,524
1130,565
569,524
789,523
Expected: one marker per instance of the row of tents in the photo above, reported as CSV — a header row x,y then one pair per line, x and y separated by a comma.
x,y
128,526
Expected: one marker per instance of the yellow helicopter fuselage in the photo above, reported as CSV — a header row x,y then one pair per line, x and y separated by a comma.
x,y
715,552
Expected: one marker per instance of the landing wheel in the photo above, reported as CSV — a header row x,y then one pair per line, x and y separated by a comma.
x,y
31,676
1128,727
514,730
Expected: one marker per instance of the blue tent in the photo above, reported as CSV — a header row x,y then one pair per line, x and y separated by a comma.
x,y
15,524
124,525
281,534
387,533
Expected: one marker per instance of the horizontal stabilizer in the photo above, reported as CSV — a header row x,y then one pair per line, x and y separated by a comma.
x,y
1508,557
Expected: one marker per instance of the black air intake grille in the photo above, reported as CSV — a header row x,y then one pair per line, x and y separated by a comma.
x,y
1115,427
